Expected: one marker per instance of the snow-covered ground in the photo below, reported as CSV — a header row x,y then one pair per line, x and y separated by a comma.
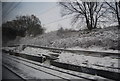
x,y
81,59
89,61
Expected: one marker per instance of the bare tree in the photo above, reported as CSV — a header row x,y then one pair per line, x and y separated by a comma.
x,y
89,11
115,9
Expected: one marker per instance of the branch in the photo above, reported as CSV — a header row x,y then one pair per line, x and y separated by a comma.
x,y
102,13
75,8
110,6
66,6
80,7
75,19
99,8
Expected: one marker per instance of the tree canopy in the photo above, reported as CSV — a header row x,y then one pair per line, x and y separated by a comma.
x,y
22,26
89,12
114,8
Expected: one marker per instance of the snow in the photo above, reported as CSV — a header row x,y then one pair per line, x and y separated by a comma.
x,y
8,48
89,61
29,73
80,59
94,48
34,51
106,38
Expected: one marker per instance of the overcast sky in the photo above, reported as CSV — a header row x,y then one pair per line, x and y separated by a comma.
x,y
48,13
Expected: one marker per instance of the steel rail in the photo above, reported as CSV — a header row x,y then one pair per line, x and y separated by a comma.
x,y
13,72
40,70
78,51
50,68
103,53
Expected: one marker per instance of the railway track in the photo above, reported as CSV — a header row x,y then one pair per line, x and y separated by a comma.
x,y
86,52
91,53
38,70
19,77
35,59
20,61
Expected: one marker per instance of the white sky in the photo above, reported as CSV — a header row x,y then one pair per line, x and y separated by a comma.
x,y
47,12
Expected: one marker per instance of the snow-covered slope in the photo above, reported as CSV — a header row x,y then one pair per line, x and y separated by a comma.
x,y
107,38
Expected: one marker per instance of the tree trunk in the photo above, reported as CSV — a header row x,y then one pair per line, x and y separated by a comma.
x,y
117,13
88,23
95,23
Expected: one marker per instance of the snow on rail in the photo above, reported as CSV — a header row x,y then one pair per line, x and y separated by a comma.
x,y
83,58
35,65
